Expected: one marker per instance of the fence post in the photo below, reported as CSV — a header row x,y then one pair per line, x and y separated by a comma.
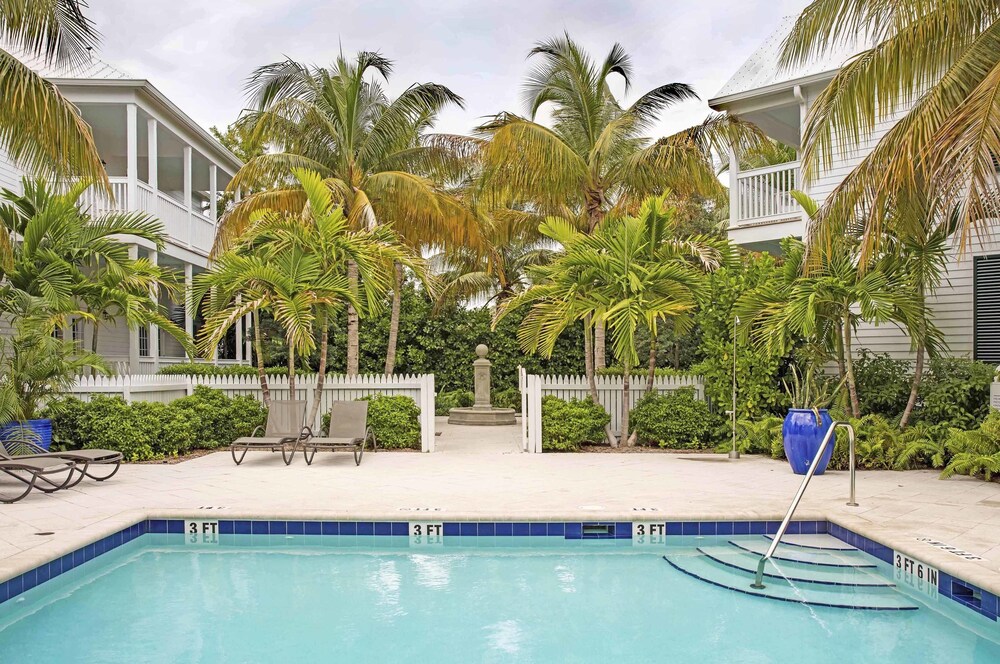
x,y
427,433
127,388
523,389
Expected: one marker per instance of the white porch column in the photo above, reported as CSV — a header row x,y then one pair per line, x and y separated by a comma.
x,y
187,193
132,155
154,330
133,332
248,339
734,192
188,318
239,334
152,151
213,185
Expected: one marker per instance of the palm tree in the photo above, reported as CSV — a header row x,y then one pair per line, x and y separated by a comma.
x,y
940,59
39,128
369,149
625,274
595,160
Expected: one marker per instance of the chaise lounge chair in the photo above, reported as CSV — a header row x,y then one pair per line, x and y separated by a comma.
x,y
85,460
30,471
349,430
285,424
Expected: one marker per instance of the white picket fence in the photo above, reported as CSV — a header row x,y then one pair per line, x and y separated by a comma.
x,y
164,389
609,393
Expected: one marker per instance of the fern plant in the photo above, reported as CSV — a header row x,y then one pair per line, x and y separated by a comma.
x,y
975,452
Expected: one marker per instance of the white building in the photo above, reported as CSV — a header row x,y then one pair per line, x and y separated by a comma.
x,y
159,161
967,305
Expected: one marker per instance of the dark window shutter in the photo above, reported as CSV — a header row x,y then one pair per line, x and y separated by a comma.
x,y
986,307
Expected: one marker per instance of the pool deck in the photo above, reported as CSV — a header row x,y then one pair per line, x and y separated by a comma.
x,y
479,474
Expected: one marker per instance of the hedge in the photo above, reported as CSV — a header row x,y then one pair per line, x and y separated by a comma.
x,y
676,420
395,421
567,424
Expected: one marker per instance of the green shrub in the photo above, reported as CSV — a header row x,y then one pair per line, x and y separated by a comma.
x,y
756,436
509,398
395,420
883,383
956,392
445,401
676,420
567,424
643,371
204,369
975,452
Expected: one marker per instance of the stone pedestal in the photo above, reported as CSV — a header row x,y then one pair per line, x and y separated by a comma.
x,y
482,412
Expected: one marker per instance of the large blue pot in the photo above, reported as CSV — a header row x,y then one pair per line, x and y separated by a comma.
x,y
802,435
41,430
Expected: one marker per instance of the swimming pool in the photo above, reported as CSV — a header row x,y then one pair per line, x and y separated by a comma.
x,y
280,597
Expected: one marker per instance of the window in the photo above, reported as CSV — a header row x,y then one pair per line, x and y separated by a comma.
x,y
78,330
986,308
143,341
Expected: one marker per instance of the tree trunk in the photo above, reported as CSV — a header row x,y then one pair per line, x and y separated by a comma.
x,y
852,388
624,439
352,322
600,351
390,352
651,370
93,347
258,346
324,343
841,365
291,370
588,361
918,372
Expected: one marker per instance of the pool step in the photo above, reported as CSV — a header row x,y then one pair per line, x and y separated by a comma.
x,y
745,561
860,597
838,558
822,542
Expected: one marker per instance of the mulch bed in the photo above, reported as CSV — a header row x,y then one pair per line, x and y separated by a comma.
x,y
194,454
590,448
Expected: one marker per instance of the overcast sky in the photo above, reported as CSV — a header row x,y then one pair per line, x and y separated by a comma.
x,y
199,52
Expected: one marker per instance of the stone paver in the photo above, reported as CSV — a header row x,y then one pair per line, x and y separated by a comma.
x,y
478,473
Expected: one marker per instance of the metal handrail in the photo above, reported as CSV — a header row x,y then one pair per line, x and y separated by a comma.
x,y
759,580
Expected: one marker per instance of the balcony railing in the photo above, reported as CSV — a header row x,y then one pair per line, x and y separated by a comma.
x,y
765,194
184,227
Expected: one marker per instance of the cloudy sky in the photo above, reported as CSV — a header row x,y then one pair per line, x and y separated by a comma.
x,y
199,52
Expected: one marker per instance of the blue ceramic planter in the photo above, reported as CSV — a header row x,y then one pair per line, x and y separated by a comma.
x,y
802,436
42,430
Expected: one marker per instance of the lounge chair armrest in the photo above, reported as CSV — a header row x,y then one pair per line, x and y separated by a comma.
x,y
258,430
370,435
305,434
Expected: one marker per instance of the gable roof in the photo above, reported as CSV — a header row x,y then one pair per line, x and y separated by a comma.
x,y
762,69
85,66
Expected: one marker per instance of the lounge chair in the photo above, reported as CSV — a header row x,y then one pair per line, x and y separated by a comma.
x,y
32,471
285,424
85,460
349,430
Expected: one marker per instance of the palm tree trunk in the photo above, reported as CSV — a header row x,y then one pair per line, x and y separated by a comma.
x,y
324,342
588,361
93,346
918,372
397,296
600,352
841,365
624,439
651,369
852,388
291,370
258,347
353,328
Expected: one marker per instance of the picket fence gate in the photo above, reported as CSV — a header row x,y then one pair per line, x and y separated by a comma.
x,y
609,394
165,389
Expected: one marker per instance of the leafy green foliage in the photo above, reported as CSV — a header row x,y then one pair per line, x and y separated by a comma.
x,y
883,383
956,392
144,430
759,371
395,421
445,401
567,424
508,398
676,420
975,452
760,436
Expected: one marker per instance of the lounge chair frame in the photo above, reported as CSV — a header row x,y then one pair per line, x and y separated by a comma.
x,y
356,443
271,443
84,458
37,470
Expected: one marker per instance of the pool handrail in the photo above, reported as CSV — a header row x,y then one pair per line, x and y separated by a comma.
x,y
759,580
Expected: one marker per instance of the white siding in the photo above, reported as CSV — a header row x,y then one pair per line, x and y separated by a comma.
x,y
10,175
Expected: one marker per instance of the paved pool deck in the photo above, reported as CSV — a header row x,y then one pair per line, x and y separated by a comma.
x,y
480,474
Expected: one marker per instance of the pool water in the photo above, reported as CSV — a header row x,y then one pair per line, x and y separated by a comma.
x,y
375,599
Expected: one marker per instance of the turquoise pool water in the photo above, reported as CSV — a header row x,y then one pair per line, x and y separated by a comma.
x,y
375,599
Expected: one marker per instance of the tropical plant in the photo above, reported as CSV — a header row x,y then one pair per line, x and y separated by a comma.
x,y
759,436
939,63
975,452
629,273
676,420
568,424
810,389
370,150
595,160
40,129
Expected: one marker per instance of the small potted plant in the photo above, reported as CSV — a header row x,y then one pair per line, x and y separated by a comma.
x,y
807,421
34,366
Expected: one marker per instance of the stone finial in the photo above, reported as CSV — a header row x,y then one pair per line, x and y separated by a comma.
x,y
482,350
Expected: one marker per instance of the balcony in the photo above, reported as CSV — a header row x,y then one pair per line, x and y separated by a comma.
x,y
185,227
764,195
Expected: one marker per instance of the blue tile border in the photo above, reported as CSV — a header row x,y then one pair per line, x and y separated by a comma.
x,y
964,594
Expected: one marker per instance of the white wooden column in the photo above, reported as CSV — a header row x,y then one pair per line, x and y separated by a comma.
x,y
213,186
152,152
133,332
734,188
239,334
187,193
154,330
248,338
188,317
132,154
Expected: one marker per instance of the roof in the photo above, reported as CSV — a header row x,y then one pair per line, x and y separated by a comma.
x,y
763,70
85,66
